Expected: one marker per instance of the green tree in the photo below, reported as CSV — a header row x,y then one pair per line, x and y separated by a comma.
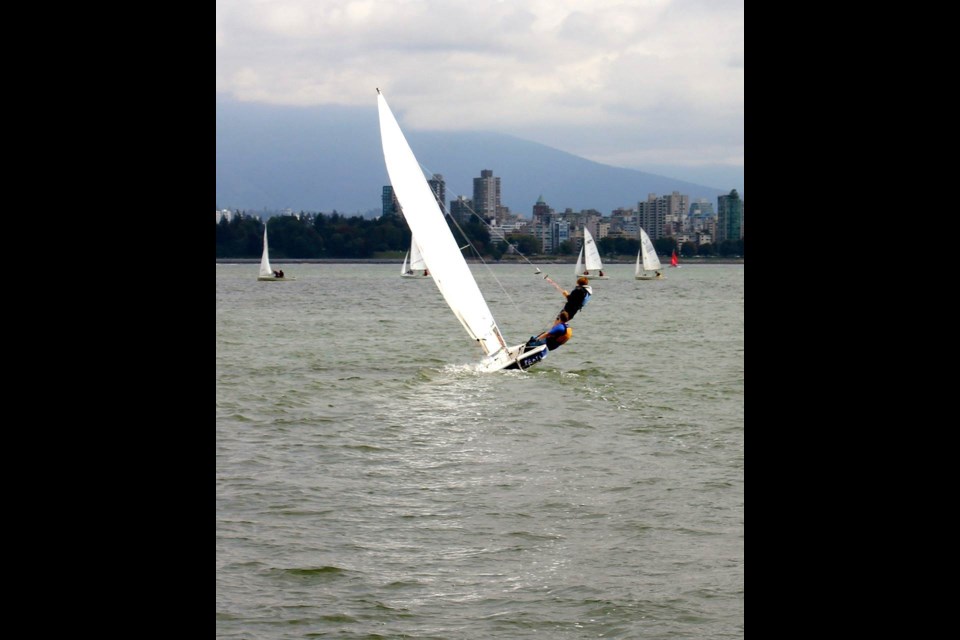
x,y
626,246
294,237
240,237
665,245
311,235
525,244
476,233
730,248
606,246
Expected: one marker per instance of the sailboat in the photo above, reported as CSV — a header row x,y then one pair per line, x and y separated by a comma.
x,y
266,271
416,268
648,264
448,268
593,268
673,259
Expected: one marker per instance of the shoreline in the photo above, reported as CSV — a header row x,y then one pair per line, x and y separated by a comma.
x,y
686,261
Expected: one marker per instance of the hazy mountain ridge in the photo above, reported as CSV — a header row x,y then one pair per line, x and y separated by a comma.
x,y
330,158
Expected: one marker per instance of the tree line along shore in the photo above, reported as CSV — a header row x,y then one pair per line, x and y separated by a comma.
x,y
399,259
324,238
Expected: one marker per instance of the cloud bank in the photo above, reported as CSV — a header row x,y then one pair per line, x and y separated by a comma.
x,y
642,84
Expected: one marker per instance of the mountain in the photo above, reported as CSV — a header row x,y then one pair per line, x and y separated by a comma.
x,y
329,158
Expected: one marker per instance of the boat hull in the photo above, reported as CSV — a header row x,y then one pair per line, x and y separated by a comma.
x,y
528,358
274,278
592,277
516,357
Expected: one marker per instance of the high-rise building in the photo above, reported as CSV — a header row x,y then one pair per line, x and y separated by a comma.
x,y
391,206
652,216
461,209
677,207
541,211
388,202
664,215
486,196
559,233
591,219
439,188
624,221
541,226
701,215
729,217
702,207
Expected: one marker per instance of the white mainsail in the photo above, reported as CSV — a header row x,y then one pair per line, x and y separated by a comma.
x,y
591,253
650,260
448,269
265,269
417,268
417,262
648,264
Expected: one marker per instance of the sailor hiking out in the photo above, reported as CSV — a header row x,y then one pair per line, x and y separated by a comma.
x,y
578,298
557,335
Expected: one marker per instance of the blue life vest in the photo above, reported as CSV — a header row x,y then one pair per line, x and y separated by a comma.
x,y
559,334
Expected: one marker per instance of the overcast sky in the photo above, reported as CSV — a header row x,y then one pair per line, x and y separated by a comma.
x,y
654,85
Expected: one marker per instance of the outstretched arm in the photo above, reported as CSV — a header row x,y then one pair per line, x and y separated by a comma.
x,y
558,287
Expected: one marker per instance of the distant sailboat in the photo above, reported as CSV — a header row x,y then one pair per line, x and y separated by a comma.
x,y
588,262
673,259
416,268
448,268
266,271
648,264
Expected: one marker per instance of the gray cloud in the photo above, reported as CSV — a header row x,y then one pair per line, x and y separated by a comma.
x,y
635,83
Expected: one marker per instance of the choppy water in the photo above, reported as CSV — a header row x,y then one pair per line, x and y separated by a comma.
x,y
371,485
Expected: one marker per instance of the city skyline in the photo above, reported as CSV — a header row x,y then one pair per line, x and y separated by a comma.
x,y
672,215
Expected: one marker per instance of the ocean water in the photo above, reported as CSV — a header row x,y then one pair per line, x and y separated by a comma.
x,y
371,484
